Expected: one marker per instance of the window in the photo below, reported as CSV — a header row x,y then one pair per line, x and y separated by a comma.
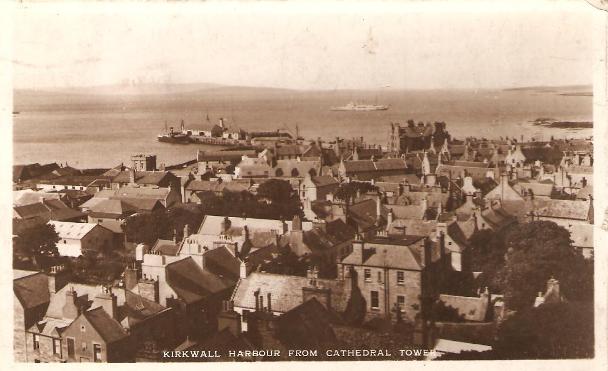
x,y
70,347
96,353
245,315
57,347
380,277
401,302
82,328
36,342
367,275
83,346
400,278
375,302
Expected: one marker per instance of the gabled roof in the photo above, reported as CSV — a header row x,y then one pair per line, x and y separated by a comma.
x,y
72,231
107,327
363,213
285,291
227,156
472,308
581,235
302,167
585,192
405,211
32,210
289,150
562,209
214,186
142,177
402,252
28,196
165,247
191,283
137,308
111,207
32,290
324,180
308,324
377,165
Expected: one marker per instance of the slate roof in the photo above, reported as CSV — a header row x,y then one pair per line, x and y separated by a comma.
x,y
137,308
32,290
477,173
141,192
405,178
213,225
413,227
72,231
214,186
191,283
359,166
378,165
107,327
142,177
27,196
32,210
415,197
562,209
227,156
286,291
336,233
325,180
165,247
401,252
110,207
307,324
85,293
405,211
471,308
303,167
363,213
581,235
289,150
542,188
459,236
52,327
585,192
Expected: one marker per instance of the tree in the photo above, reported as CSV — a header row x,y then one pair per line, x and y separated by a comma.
x,y
525,256
34,243
550,331
148,227
348,191
276,190
183,215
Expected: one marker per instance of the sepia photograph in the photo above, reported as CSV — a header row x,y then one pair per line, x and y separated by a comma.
x,y
277,181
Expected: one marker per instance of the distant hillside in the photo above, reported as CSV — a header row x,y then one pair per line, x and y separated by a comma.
x,y
554,89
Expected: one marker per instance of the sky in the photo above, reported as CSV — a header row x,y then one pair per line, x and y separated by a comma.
x,y
403,47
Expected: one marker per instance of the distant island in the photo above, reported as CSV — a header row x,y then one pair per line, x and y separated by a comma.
x,y
552,123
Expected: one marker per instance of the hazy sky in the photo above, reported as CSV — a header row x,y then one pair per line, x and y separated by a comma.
x,y
396,47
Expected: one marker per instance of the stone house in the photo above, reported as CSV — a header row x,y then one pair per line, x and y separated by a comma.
x,y
394,274
76,238
315,188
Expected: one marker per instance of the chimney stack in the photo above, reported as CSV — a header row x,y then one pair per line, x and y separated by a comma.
x,y
132,176
108,301
71,309
243,270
